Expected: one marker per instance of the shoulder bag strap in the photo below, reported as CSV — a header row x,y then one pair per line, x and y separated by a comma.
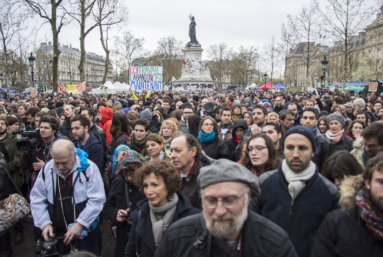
x,y
11,179
138,241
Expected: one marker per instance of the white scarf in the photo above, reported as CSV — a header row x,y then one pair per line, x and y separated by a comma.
x,y
297,180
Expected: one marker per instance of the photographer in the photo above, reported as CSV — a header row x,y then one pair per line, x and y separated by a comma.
x,y
30,115
34,160
67,195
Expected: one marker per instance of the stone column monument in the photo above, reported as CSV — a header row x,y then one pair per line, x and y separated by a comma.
x,y
194,70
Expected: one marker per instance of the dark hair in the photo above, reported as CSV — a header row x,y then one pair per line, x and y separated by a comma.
x,y
84,121
142,122
192,141
328,102
349,129
251,116
5,120
161,168
41,114
323,118
183,99
282,114
263,108
226,109
101,103
176,114
341,163
276,127
374,130
132,116
32,111
375,163
91,112
273,160
120,124
54,123
156,138
310,110
218,110
12,120
363,113
86,100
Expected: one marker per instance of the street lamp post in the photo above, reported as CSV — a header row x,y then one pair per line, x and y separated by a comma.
x,y
265,77
32,63
324,68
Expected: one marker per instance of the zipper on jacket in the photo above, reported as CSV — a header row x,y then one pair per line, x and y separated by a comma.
x,y
291,212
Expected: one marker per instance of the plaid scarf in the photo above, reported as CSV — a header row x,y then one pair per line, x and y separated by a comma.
x,y
374,223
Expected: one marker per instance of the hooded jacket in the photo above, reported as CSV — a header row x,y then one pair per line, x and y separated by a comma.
x,y
231,143
106,122
345,143
343,231
323,149
88,195
14,154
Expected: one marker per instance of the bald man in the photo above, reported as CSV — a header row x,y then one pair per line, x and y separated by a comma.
x,y
78,200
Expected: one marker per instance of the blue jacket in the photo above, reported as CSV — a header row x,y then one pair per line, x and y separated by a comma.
x,y
302,217
95,150
88,193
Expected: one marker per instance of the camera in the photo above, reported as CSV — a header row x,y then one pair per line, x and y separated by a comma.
x,y
30,138
48,248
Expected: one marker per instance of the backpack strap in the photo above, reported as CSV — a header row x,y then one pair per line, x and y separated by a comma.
x,y
126,136
43,172
138,241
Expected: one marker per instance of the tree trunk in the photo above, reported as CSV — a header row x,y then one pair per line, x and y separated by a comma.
x,y
56,51
82,43
105,46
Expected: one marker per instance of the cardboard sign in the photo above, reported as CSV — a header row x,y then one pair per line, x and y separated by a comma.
x,y
145,78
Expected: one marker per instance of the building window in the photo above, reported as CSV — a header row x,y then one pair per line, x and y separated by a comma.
x,y
370,54
378,66
378,53
380,36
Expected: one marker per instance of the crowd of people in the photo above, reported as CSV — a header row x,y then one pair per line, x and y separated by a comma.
x,y
204,173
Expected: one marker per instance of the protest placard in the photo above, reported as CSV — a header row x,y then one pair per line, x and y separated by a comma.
x,y
145,78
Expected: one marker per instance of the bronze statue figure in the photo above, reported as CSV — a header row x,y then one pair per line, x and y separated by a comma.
x,y
192,33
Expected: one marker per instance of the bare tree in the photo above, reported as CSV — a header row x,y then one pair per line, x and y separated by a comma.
x,y
271,58
128,48
343,19
243,65
109,13
51,11
219,67
305,29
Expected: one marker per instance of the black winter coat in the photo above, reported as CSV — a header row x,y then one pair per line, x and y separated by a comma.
x,y
345,143
121,140
142,232
155,125
97,130
343,233
323,149
65,129
260,237
216,148
231,143
116,201
5,183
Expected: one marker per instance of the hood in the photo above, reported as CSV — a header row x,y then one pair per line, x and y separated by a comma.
x,y
126,110
247,99
83,156
358,143
349,189
132,159
93,139
239,123
146,114
107,114
209,108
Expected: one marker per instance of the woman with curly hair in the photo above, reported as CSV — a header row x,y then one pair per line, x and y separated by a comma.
x,y
168,131
164,204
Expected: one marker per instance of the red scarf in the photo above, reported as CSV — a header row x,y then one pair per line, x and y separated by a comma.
x,y
237,139
189,170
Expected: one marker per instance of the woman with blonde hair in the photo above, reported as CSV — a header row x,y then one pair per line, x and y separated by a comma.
x,y
168,131
209,138
273,118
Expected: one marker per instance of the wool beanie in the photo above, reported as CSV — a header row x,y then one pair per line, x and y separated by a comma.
x,y
146,114
195,98
306,131
336,116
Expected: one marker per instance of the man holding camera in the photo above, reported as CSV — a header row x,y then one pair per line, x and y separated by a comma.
x,y
34,159
68,195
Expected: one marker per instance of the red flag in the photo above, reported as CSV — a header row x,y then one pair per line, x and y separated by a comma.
x,y
184,62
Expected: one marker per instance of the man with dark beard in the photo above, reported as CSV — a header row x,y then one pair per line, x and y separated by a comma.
x,y
356,229
295,196
226,227
226,124
88,142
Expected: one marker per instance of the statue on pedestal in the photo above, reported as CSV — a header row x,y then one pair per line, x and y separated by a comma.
x,y
192,33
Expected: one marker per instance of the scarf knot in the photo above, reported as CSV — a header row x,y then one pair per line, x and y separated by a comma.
x,y
297,180
334,138
206,137
374,223
161,217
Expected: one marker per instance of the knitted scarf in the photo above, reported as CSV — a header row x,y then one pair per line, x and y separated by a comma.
x,y
227,125
162,216
374,223
334,138
297,180
167,141
139,146
206,137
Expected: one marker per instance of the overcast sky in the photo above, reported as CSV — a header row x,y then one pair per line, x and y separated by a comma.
x,y
235,22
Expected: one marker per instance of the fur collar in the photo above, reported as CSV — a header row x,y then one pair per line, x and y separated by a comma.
x,y
348,190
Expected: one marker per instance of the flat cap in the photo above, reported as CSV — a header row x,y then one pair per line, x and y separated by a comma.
x,y
224,170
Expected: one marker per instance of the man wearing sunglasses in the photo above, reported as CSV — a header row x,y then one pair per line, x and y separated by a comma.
x,y
226,227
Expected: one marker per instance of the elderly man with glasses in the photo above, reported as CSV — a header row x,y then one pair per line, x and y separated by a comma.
x,y
226,227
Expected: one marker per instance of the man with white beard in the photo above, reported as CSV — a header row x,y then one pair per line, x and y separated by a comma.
x,y
226,227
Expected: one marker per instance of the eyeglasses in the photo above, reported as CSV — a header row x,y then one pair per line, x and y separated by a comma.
x,y
228,202
3,124
208,125
257,149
